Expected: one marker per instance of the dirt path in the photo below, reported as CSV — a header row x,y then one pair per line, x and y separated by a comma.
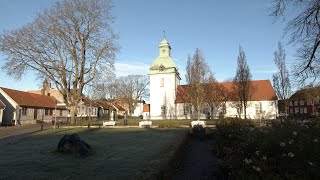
x,y
14,133
198,161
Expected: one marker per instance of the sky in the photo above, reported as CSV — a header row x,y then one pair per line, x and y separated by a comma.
x,y
217,28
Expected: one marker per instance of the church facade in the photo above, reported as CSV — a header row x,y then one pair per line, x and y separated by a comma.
x,y
168,99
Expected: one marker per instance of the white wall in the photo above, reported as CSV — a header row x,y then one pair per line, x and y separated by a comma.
x,y
1,114
138,110
268,111
163,96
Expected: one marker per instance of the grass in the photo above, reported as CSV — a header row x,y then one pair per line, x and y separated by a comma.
x,y
117,154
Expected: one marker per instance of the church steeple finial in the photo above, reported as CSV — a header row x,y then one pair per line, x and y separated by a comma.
x,y
164,34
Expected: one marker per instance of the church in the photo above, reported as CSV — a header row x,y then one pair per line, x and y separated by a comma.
x,y
168,99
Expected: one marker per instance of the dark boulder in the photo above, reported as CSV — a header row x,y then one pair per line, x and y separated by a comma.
x,y
73,143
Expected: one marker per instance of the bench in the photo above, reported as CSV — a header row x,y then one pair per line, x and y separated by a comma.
x,y
199,123
108,123
145,123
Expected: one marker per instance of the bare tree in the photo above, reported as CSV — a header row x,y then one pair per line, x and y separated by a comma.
x,y
69,44
304,29
281,82
242,83
102,86
215,95
197,73
131,89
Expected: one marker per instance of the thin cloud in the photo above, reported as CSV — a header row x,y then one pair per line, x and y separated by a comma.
x,y
124,69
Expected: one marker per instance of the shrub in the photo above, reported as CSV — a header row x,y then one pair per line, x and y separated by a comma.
x,y
285,150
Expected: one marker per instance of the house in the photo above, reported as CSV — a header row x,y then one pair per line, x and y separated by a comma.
x,y
106,110
305,102
25,107
146,111
138,109
120,111
168,98
262,104
86,107
2,107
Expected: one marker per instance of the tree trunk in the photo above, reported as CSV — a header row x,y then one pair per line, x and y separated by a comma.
x,y
245,112
72,114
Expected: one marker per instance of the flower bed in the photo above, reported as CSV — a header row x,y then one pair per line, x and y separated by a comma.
x,y
285,150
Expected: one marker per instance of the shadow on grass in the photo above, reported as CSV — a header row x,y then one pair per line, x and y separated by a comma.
x,y
117,153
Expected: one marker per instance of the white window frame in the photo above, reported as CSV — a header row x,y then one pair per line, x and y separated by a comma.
x,y
301,102
258,108
301,111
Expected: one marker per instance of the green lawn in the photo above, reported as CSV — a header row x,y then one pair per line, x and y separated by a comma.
x,y
117,154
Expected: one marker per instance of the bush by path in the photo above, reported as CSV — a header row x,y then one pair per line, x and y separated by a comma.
x,y
285,150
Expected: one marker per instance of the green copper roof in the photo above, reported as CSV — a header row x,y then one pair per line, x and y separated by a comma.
x,y
163,63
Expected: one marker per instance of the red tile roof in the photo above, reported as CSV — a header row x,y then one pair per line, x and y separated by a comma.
x,y
30,99
263,90
104,104
120,108
146,108
303,94
2,105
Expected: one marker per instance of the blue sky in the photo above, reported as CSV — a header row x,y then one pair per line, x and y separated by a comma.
x,y
217,28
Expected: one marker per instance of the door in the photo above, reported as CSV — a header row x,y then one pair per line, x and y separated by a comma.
x,y
35,115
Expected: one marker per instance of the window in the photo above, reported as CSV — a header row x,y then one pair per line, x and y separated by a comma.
x,y
60,112
301,110
258,108
305,110
24,111
46,112
48,94
296,103
161,82
308,102
186,109
290,104
296,110
163,110
50,112
302,102
224,108
291,111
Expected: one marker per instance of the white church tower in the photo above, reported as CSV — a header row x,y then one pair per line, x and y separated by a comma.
x,y
164,79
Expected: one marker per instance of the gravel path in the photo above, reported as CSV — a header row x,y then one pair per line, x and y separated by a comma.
x,y
198,161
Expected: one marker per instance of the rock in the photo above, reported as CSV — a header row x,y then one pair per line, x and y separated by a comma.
x,y
73,143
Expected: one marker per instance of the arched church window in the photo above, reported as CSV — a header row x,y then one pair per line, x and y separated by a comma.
x,y
161,82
